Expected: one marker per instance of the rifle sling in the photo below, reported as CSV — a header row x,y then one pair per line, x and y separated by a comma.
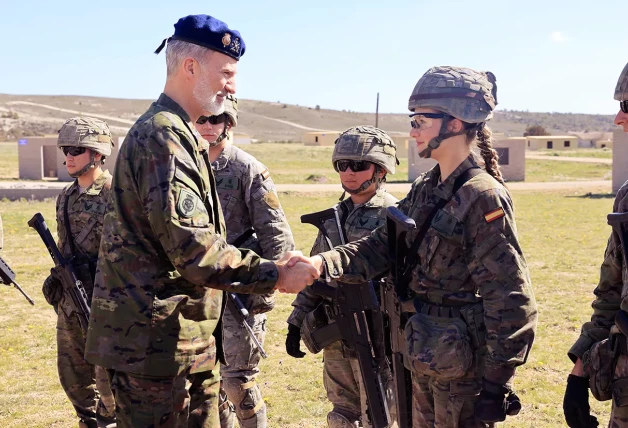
x,y
413,254
66,221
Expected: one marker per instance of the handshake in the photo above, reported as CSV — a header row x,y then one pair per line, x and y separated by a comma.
x,y
297,271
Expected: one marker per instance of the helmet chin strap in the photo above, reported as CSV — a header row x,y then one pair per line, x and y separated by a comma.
x,y
442,136
90,165
363,186
222,136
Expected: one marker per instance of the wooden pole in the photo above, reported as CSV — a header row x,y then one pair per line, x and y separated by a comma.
x,y
377,111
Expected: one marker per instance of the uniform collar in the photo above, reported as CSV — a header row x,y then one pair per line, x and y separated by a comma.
x,y
444,190
377,200
170,104
93,189
222,159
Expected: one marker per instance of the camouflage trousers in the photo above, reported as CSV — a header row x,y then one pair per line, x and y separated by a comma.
x,y
342,380
86,385
239,376
185,401
445,404
619,414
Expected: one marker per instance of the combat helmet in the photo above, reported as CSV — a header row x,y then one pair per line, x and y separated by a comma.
x,y
231,111
88,132
366,143
458,92
621,90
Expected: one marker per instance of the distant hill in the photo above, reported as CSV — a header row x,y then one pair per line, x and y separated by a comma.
x,y
24,115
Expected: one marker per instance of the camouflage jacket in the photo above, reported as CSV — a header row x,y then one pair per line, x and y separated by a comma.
x,y
360,221
163,263
470,254
249,201
86,212
612,289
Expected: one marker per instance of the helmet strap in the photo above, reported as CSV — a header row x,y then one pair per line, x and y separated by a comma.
x,y
90,165
223,135
435,142
365,185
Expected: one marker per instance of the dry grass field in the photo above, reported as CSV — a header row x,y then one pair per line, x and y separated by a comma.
x,y
563,235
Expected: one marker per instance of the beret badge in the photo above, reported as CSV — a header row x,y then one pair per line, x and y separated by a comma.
x,y
226,39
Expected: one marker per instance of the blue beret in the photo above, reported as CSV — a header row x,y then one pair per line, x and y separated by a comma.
x,y
209,32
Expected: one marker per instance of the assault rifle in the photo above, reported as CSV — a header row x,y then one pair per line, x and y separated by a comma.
x,y
7,277
241,313
72,285
357,321
396,307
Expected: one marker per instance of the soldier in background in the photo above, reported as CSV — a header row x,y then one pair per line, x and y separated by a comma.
x,y
85,142
601,345
363,156
254,220
164,262
476,313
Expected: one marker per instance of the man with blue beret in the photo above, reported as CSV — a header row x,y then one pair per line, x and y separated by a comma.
x,y
164,262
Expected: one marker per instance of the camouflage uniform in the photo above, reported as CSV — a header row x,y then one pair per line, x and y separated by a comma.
x,y
158,299
249,202
464,261
341,373
476,314
79,378
611,295
85,209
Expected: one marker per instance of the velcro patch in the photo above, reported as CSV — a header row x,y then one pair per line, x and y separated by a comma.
x,y
265,174
187,203
228,183
494,215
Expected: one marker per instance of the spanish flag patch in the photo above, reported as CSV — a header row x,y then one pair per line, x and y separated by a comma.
x,y
494,215
265,174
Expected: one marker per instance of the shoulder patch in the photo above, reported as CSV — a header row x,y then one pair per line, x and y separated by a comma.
x,y
187,203
265,174
494,215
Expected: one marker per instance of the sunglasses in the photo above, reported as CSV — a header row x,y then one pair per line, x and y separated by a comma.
x,y
423,121
356,166
213,120
73,151
623,105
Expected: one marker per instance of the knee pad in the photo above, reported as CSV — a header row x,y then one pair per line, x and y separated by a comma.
x,y
246,398
338,420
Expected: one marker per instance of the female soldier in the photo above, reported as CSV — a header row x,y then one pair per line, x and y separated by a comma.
x,y
363,155
476,313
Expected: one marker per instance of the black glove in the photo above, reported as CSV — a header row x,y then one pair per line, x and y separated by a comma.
x,y
293,342
52,289
576,403
493,404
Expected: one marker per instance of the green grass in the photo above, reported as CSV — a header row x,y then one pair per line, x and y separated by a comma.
x,y
563,235
8,161
605,153
550,170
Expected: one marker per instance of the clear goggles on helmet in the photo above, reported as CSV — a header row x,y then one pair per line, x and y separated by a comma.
x,y
623,105
213,120
423,121
356,166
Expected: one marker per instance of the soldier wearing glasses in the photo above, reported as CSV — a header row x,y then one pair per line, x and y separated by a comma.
x,y
363,155
600,355
254,220
85,142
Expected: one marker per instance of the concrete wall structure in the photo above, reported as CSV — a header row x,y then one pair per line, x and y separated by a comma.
x,y
552,142
320,138
39,158
620,158
511,152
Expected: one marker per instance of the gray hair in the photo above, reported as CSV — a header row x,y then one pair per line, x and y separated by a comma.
x,y
178,50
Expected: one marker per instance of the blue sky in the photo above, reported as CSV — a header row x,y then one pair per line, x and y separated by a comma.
x,y
556,56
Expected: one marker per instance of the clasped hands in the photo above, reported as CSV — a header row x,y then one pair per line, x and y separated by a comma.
x,y
297,271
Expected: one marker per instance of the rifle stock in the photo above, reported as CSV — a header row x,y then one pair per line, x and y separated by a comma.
x,y
357,321
72,285
395,305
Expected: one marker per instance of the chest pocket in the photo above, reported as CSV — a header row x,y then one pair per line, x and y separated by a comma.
x,y
368,223
442,253
189,204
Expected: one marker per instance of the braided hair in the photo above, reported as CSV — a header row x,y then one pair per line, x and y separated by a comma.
x,y
483,138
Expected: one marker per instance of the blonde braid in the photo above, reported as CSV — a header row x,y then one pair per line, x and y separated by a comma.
x,y
484,142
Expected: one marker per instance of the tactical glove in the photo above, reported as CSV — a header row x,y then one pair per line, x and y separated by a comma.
x,y
293,342
576,403
52,290
496,402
